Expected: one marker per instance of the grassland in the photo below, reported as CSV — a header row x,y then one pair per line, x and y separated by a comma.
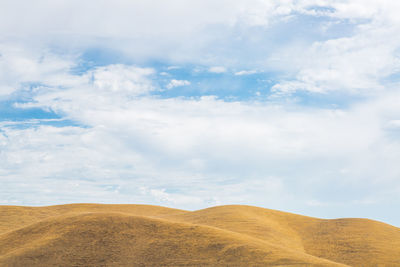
x,y
143,235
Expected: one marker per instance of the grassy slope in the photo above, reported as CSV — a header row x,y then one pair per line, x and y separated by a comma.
x,y
13,217
356,242
103,235
116,239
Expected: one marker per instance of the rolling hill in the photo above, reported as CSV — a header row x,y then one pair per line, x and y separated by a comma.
x,y
143,235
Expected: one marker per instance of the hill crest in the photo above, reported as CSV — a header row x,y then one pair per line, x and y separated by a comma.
x,y
86,234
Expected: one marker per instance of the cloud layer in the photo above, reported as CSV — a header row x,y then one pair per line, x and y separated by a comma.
x,y
320,136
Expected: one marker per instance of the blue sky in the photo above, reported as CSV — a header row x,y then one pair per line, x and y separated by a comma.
x,y
290,105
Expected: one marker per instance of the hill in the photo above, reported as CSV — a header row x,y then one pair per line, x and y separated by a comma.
x,y
143,235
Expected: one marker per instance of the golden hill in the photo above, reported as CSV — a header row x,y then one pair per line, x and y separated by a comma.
x,y
142,235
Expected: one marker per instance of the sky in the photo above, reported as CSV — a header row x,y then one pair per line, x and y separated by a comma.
x,y
291,105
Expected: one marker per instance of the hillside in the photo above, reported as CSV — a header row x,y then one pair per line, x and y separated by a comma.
x,y
142,235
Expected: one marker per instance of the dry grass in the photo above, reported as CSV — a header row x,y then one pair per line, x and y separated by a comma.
x,y
141,235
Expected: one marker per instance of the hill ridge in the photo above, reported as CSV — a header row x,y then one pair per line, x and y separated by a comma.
x,y
230,234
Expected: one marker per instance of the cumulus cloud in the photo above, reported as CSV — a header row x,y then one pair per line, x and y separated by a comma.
x,y
245,72
217,69
19,65
176,83
115,78
361,63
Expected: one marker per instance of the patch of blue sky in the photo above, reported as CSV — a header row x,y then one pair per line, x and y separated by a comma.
x,y
61,123
22,117
98,57
226,86
8,111
315,28
329,100
34,123
230,87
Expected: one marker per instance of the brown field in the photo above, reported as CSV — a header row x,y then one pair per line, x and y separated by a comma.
x,y
142,235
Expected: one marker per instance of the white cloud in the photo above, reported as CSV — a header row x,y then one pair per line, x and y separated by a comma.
x,y
206,33
217,69
19,65
245,72
359,63
115,78
197,147
173,68
140,29
356,65
176,83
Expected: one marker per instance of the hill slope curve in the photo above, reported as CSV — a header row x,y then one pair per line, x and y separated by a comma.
x,y
144,235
